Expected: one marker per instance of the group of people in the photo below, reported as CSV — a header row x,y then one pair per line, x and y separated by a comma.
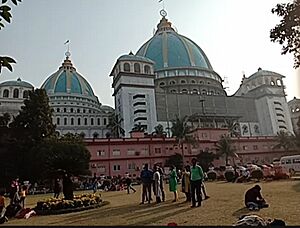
x,y
192,183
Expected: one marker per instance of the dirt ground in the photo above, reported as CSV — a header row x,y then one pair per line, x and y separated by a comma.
x,y
223,208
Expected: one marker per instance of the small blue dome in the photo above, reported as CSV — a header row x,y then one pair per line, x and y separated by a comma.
x,y
67,80
168,49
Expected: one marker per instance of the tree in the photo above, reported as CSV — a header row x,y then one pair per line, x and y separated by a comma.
x,y
287,32
35,117
233,127
176,160
205,158
224,148
138,128
6,61
159,131
182,132
115,126
285,140
4,119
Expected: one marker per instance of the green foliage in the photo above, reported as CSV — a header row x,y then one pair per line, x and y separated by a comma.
x,y
285,140
159,131
205,158
176,160
138,128
287,32
115,126
224,147
5,14
4,120
233,128
35,117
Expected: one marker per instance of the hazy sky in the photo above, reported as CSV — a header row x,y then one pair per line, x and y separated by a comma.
x,y
234,34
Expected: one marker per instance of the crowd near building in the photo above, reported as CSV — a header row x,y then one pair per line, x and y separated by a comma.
x,y
169,76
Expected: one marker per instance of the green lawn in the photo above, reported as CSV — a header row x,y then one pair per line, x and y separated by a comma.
x,y
223,208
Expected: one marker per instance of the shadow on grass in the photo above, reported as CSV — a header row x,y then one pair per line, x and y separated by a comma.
x,y
296,187
242,211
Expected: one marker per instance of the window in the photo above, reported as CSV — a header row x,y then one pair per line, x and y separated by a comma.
x,y
25,94
203,92
184,91
78,121
139,103
288,161
279,114
173,91
78,110
137,68
278,81
117,168
5,93
100,153
157,150
57,110
126,67
281,121
277,103
104,121
140,118
255,147
131,166
71,110
65,110
58,121
282,127
245,147
139,96
92,121
130,152
85,121
98,121
72,121
101,168
83,110
279,109
183,81
65,121
172,82
147,69
296,160
162,84
195,91
116,152
272,83
140,111
16,93
193,81
144,151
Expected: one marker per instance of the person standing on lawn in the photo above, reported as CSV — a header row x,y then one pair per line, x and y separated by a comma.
x,y
147,178
186,183
156,184
161,172
196,182
173,182
128,182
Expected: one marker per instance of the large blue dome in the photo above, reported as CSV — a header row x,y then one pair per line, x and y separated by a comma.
x,y
67,80
168,49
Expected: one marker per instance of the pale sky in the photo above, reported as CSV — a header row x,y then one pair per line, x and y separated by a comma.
x,y
234,34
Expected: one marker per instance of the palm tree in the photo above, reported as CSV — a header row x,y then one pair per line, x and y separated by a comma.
x,y
233,127
114,124
224,147
182,132
285,140
159,131
138,128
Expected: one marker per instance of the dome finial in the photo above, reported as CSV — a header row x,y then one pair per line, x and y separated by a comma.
x,y
68,53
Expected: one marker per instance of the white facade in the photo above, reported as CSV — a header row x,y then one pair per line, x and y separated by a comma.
x,y
133,85
12,96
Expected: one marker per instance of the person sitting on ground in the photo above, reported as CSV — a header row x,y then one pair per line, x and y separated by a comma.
x,y
254,199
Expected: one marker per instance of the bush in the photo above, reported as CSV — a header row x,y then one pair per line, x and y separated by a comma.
x,y
229,175
257,174
212,175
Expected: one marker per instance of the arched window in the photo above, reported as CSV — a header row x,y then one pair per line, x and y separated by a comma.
x,y
184,91
78,121
147,69
16,93
137,68
65,121
58,121
193,81
98,121
203,92
92,121
278,82
65,110
195,91
78,110
6,93
72,121
183,81
126,67
173,91
25,94
57,110
71,110
85,121
162,84
201,82
172,82
272,83
104,121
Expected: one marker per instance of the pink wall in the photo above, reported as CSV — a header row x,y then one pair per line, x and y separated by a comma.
x,y
129,154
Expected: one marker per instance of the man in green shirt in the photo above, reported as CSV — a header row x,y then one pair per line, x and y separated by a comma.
x,y
196,182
